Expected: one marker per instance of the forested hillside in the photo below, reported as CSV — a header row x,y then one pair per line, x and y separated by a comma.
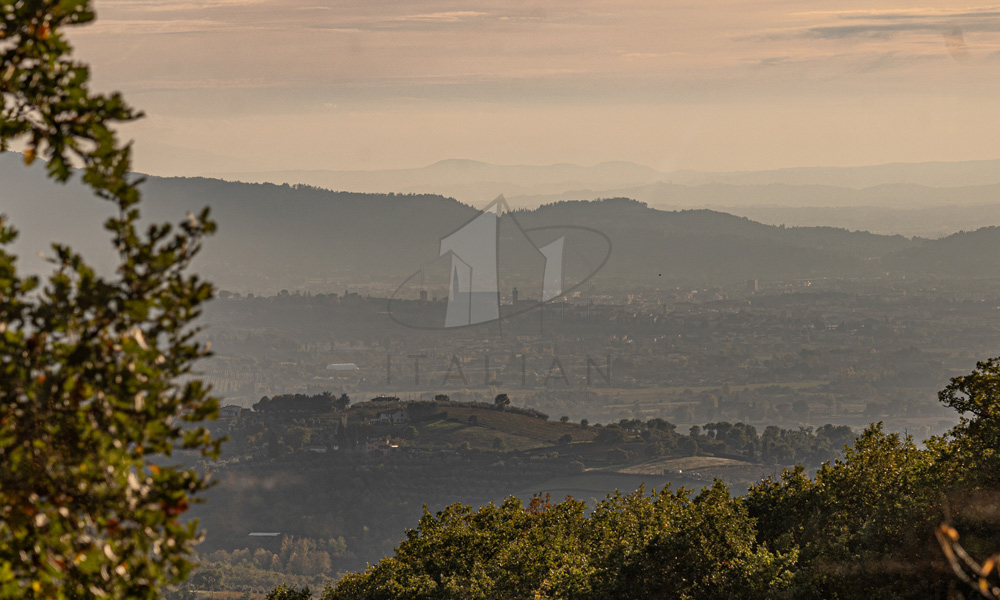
x,y
275,237
346,482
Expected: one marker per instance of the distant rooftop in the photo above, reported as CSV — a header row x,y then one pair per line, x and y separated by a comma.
x,y
342,367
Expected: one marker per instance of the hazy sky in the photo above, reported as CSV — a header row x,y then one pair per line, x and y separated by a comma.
x,y
236,85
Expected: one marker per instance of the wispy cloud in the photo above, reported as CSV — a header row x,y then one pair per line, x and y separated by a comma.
x,y
163,84
770,61
158,6
905,13
891,30
155,6
642,55
150,26
887,24
441,17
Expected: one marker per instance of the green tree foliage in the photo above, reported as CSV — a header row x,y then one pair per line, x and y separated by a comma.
x,y
976,394
93,370
617,455
688,445
284,592
856,518
612,434
637,546
975,451
46,102
297,437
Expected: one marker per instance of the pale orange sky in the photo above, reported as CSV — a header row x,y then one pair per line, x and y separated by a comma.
x,y
236,85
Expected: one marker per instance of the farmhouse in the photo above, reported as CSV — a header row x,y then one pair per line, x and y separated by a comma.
x,y
392,417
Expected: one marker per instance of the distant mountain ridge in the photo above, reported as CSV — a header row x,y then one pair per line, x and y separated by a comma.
x,y
280,236
910,199
673,195
907,209
931,174
475,181
468,180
